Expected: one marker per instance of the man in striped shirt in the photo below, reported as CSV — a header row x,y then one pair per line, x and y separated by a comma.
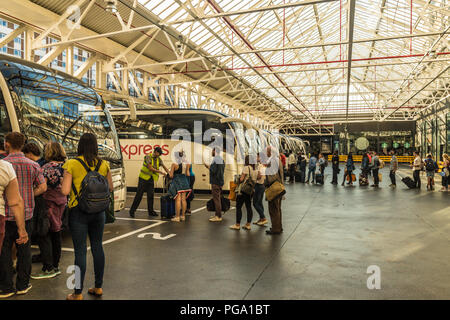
x,y
31,184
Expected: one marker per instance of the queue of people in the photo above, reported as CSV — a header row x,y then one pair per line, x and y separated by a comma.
x,y
370,167
35,188
256,179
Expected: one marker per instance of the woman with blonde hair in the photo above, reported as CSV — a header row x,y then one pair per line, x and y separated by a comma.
x,y
55,202
445,172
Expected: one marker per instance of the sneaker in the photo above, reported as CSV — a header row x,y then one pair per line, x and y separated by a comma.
x,y
247,227
47,274
24,291
153,214
175,219
131,215
262,222
215,219
235,227
188,212
57,271
6,294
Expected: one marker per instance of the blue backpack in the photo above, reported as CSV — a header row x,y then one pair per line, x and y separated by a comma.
x,y
94,196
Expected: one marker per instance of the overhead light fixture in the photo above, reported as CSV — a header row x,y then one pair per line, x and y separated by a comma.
x,y
111,6
179,45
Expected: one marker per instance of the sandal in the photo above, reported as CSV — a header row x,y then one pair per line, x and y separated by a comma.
x,y
183,218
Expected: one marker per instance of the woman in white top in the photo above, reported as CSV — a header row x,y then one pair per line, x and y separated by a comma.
x,y
249,175
417,167
9,190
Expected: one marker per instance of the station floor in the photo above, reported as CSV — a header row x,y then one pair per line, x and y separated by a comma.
x,y
332,234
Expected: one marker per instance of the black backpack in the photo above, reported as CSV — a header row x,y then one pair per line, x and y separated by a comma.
x,y
94,196
429,166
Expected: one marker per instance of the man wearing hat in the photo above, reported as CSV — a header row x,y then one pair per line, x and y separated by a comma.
x,y
147,177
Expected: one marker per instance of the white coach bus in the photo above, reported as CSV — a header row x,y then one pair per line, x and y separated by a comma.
x,y
48,105
154,127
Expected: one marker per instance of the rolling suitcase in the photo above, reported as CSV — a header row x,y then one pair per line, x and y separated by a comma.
x,y
363,181
409,182
300,176
167,207
167,203
319,178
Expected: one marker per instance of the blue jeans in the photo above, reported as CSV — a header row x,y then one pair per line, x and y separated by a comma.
x,y
258,200
313,171
81,225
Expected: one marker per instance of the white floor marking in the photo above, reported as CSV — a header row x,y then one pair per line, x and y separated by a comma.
x,y
156,223
62,249
134,232
199,209
157,197
146,210
134,219
156,235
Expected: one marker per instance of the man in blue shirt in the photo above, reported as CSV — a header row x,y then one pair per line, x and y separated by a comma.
x,y
312,168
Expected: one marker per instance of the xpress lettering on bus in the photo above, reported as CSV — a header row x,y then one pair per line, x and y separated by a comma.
x,y
130,150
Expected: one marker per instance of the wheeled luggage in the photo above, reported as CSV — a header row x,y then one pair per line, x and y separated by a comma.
x,y
300,176
167,204
319,178
409,182
363,181
167,207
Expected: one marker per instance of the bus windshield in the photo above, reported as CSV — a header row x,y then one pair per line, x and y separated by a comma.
x,y
52,108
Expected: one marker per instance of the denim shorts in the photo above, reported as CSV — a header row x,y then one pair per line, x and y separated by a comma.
x,y
430,174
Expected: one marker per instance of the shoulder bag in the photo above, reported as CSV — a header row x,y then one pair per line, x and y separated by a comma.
x,y
276,189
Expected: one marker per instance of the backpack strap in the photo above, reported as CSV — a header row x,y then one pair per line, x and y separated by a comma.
x,y
99,163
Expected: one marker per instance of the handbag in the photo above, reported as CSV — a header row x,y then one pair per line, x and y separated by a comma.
x,y
232,195
225,204
248,187
275,190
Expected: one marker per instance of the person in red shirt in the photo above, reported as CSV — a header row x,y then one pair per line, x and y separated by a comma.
x,y
31,183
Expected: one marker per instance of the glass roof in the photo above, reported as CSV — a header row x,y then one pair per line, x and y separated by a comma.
x,y
300,50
